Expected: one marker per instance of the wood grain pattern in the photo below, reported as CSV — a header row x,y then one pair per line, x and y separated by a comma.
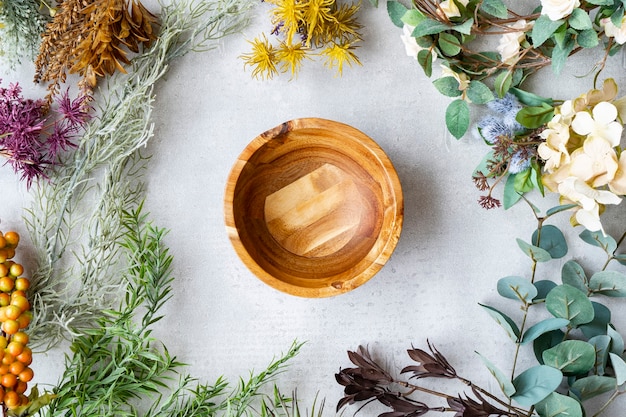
x,y
313,207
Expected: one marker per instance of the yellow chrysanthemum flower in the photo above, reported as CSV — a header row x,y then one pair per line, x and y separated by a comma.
x,y
291,57
339,54
262,58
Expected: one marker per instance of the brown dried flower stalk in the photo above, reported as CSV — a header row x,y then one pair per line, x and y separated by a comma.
x,y
92,38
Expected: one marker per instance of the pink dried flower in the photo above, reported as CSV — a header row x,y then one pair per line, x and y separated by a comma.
x,y
31,136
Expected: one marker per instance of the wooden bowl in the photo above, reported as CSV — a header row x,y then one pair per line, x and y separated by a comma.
x,y
313,207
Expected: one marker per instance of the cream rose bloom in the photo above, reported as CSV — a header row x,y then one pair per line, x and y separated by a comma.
x,y
612,31
509,44
410,43
448,8
558,9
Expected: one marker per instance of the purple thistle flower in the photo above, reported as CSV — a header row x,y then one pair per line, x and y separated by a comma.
x,y
30,137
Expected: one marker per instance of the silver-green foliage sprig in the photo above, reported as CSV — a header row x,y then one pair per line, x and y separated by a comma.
x,y
22,25
74,221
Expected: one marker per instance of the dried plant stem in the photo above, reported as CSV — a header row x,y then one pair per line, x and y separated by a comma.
x,y
77,250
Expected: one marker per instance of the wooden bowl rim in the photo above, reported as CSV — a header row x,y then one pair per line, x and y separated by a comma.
x,y
393,187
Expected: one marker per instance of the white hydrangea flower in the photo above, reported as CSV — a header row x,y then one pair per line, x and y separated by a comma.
x,y
554,151
589,200
601,123
558,9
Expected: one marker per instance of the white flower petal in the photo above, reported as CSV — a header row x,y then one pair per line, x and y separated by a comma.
x,y
583,123
604,113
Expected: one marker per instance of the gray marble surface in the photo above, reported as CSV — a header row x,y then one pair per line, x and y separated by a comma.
x,y
224,321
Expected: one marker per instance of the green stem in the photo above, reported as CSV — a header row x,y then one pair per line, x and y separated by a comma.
x,y
608,402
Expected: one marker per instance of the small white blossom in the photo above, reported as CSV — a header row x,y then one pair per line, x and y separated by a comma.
x,y
509,45
601,123
612,31
589,200
449,8
558,9
410,43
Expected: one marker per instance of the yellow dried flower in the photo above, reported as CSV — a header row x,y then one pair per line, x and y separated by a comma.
x,y
339,54
291,57
263,58
304,26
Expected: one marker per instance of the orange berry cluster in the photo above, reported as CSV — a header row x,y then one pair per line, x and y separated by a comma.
x,y
15,316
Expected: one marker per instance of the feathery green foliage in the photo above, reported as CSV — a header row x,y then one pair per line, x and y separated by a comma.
x,y
22,26
117,367
76,274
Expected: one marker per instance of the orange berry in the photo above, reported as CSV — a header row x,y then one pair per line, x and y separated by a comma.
x,y
16,368
10,326
4,270
14,348
20,387
7,359
12,312
26,357
3,242
5,299
7,284
4,254
12,238
8,380
3,343
3,314
22,284
23,321
20,337
12,399
26,375
5,369
16,270
10,252
17,292
1,395
20,302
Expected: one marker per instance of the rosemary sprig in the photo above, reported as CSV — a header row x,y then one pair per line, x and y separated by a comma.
x,y
75,279
117,367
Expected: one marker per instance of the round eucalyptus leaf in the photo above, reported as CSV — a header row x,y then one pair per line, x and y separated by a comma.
x,y
543,286
611,283
517,288
601,319
619,367
535,253
558,405
535,384
572,357
567,302
542,327
552,240
546,341
592,386
503,381
573,274
617,341
601,345
504,321
606,242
